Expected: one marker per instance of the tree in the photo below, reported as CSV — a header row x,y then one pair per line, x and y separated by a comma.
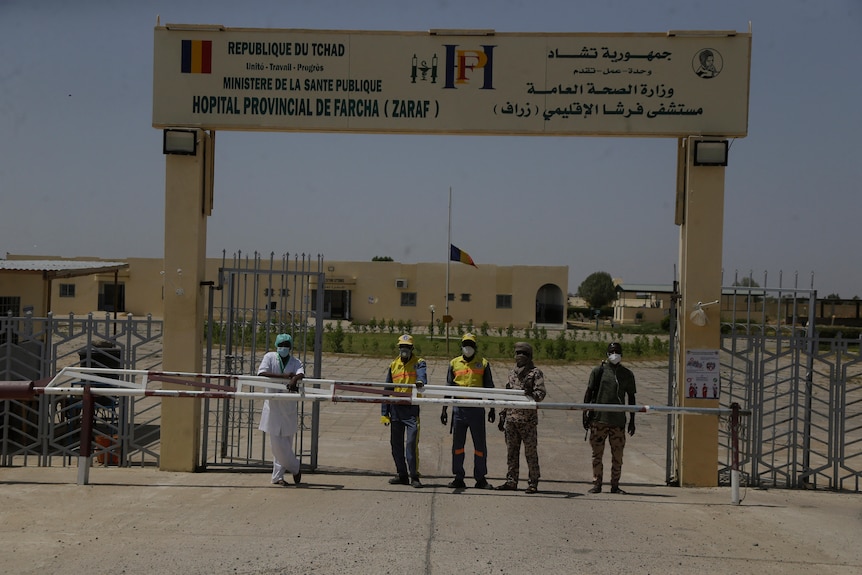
x,y
382,259
598,289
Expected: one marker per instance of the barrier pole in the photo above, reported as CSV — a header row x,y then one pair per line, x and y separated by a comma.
x,y
734,445
85,448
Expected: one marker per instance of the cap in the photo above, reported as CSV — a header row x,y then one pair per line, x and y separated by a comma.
x,y
283,340
468,339
615,347
405,339
525,348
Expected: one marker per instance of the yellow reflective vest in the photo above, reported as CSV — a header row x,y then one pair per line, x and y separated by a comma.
x,y
468,373
404,372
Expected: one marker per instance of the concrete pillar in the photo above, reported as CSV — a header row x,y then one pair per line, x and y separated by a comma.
x,y
700,266
187,205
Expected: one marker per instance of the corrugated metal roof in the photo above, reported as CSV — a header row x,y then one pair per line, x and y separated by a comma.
x,y
645,288
61,268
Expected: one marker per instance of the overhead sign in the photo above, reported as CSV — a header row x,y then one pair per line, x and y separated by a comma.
x,y
452,82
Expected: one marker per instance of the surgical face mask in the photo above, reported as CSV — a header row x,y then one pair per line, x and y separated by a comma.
x,y
406,353
614,358
467,351
284,351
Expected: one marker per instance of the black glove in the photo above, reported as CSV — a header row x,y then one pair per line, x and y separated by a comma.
x,y
492,415
589,415
631,426
444,416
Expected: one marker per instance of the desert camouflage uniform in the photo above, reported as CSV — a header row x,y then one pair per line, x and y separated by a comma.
x,y
522,424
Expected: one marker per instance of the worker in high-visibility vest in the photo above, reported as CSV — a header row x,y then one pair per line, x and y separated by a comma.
x,y
403,420
469,370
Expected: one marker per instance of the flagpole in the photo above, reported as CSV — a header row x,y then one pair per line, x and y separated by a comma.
x,y
448,263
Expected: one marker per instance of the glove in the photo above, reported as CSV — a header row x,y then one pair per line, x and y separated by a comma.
x,y
631,427
384,419
444,416
501,425
589,415
492,415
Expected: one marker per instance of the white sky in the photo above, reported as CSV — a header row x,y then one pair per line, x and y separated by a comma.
x,y
82,171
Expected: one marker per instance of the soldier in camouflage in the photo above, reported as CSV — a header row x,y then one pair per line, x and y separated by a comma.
x,y
610,383
521,425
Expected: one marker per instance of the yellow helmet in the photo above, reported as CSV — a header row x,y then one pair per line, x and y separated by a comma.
x,y
469,337
405,339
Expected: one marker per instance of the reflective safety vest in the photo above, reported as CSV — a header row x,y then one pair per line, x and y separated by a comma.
x,y
404,372
469,373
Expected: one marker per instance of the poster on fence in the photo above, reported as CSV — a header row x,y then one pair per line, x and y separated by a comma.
x,y
702,374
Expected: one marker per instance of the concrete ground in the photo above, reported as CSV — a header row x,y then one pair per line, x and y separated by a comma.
x,y
346,518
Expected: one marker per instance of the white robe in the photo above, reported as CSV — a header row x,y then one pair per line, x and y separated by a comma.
x,y
279,417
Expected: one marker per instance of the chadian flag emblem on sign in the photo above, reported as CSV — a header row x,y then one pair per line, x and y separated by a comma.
x,y
197,57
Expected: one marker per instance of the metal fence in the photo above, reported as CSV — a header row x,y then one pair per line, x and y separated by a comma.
x,y
46,431
804,392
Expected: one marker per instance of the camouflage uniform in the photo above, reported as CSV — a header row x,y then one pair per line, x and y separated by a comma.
x,y
521,425
616,383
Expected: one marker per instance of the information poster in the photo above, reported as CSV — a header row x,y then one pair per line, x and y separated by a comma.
x,y
702,379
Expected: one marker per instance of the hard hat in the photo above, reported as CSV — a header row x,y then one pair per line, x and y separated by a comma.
x,y
615,347
283,340
468,338
405,339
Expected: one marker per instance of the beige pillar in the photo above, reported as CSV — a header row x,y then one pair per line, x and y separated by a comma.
x,y
187,205
702,215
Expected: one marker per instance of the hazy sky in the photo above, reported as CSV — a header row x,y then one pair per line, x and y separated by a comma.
x,y
82,171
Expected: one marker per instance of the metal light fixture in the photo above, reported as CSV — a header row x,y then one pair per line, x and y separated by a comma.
x,y
432,309
710,152
182,142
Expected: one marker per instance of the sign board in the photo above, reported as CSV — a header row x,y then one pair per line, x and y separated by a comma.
x,y
452,82
702,379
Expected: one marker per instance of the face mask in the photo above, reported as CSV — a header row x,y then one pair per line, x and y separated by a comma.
x,y
406,353
284,351
521,360
614,358
467,351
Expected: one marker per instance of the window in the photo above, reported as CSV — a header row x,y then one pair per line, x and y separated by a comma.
x,y
465,297
408,299
67,290
504,301
283,292
451,297
10,304
109,294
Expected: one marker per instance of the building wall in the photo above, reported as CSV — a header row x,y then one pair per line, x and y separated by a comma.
x,y
374,291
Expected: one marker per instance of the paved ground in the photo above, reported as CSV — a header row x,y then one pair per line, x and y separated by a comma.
x,y
345,518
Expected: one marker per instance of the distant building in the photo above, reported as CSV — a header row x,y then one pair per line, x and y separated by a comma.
x,y
521,296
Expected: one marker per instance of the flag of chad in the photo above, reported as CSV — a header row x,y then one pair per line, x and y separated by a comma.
x,y
197,57
457,255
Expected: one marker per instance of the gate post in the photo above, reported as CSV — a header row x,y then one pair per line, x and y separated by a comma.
x,y
187,205
700,214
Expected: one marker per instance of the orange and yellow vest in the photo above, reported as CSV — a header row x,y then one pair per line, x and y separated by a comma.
x,y
469,373
404,372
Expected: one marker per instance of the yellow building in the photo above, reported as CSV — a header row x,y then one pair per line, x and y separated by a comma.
x,y
521,296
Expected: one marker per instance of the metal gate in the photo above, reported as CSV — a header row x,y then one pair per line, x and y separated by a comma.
x,y
253,301
46,431
804,392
